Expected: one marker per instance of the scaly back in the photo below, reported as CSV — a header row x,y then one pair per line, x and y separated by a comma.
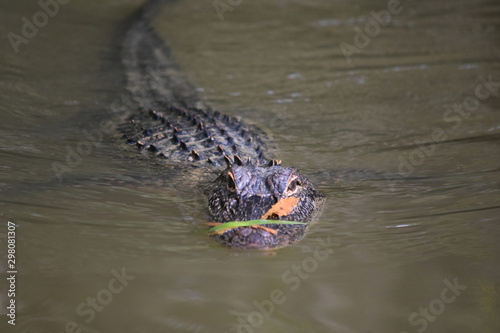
x,y
170,121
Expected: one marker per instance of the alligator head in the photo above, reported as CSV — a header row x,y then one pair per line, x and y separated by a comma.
x,y
249,192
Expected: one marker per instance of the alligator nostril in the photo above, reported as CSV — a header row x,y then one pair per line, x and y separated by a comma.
x,y
264,233
245,231
273,216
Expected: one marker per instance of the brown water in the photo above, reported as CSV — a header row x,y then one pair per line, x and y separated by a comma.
x,y
409,238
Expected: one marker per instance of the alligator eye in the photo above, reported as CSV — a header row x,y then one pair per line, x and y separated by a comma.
x,y
293,186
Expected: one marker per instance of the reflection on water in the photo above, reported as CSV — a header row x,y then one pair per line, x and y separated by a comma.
x,y
401,135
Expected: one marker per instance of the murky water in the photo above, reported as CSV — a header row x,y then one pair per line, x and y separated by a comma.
x,y
399,127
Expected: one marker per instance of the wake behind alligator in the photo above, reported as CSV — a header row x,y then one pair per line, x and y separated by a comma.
x,y
173,125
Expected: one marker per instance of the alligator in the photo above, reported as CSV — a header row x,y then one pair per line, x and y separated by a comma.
x,y
171,125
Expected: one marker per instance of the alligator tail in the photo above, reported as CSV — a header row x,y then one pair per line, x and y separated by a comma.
x,y
153,77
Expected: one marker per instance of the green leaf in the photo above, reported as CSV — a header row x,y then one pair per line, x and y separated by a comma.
x,y
236,224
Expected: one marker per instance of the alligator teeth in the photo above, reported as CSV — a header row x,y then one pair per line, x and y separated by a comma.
x,y
213,162
195,155
166,122
183,145
157,115
237,160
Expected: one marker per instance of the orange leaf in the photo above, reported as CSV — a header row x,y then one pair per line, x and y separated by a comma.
x,y
272,231
282,208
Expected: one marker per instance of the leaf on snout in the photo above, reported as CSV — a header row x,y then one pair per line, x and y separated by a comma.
x,y
220,228
281,208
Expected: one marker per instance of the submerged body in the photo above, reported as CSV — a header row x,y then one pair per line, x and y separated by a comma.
x,y
173,125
